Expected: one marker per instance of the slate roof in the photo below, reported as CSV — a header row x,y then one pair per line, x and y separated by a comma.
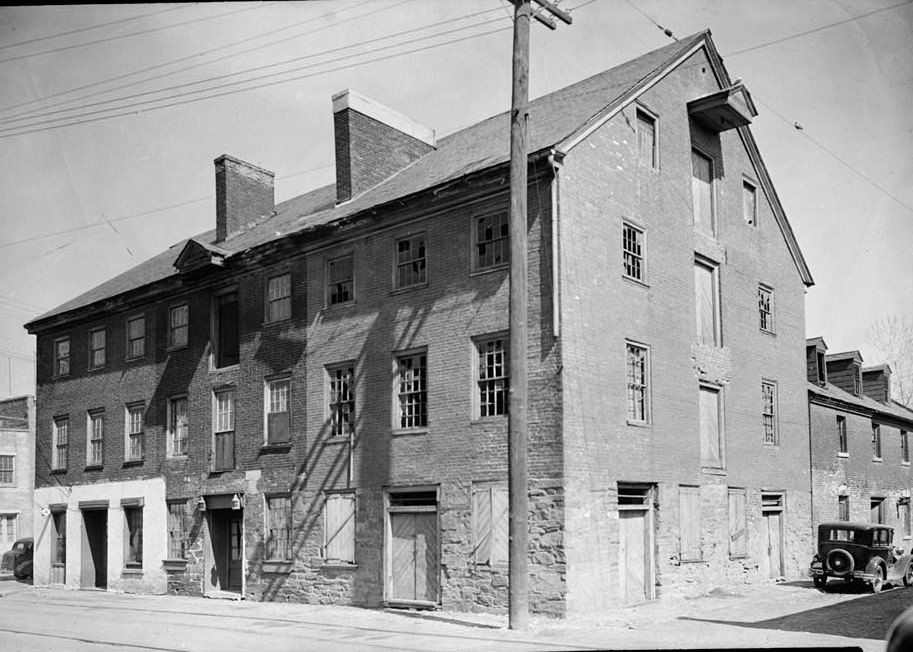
x,y
833,392
553,118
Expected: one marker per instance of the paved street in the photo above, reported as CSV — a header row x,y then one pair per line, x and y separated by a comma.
x,y
772,615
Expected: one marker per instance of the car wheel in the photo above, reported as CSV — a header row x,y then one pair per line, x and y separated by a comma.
x,y
878,580
839,563
908,576
820,581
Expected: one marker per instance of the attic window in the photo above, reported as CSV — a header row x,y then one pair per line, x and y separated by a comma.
x,y
857,378
749,203
646,139
822,367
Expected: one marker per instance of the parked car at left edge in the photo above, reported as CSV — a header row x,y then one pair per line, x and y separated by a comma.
x,y
18,559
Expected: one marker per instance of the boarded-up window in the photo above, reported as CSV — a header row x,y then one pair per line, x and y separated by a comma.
x,y
224,431
702,192
706,303
690,523
738,528
278,427
711,433
490,523
339,543
646,139
278,514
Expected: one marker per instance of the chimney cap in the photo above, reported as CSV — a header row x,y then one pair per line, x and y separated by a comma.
x,y
227,158
349,99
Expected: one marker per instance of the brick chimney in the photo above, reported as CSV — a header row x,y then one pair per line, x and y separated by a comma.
x,y
244,196
876,383
373,143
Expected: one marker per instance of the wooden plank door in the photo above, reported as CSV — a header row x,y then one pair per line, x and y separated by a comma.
x,y
234,550
633,569
774,544
414,557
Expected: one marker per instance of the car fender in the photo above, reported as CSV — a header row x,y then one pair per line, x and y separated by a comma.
x,y
874,563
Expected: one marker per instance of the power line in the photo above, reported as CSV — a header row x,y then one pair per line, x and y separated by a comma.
x,y
46,126
664,30
138,33
37,116
91,27
191,56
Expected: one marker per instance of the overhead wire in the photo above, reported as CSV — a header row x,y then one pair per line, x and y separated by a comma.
x,y
91,27
176,87
138,33
195,55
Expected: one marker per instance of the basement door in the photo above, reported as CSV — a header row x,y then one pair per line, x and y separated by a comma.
x,y
635,544
413,558
772,511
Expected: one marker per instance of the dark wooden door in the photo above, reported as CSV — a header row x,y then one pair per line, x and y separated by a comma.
x,y
234,551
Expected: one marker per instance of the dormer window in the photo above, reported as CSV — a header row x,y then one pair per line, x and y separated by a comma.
x,y
822,368
857,378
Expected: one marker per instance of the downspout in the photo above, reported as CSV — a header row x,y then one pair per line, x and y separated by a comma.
x,y
555,161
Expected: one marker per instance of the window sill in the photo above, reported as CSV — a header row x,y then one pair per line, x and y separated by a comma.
x,y
844,455
877,460
406,432
218,370
488,270
277,567
174,565
132,573
338,565
636,281
94,467
275,323
693,561
336,439
280,447
182,457
138,358
905,463
128,463
497,418
60,376
344,304
409,288
175,347
768,333
58,471
638,424
92,370
713,470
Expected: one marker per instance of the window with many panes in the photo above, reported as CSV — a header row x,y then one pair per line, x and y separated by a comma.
x,y
702,193
177,529
843,508
61,443
411,264
7,469
339,528
711,427
178,426
769,411
646,139
178,325
841,435
136,437
490,523
223,430
136,337
341,280
96,348
62,356
412,390
689,525
278,527
632,239
95,448
706,300
276,401
749,203
766,308
226,331
279,298
492,376
738,526
341,400
904,447
491,241
637,372
876,441
133,536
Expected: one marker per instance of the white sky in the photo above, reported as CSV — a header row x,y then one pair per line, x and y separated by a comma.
x,y
849,86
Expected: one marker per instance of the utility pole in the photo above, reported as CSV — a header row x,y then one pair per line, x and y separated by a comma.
x,y
517,439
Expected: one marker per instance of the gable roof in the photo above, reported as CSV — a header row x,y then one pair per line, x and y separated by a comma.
x,y
555,121
831,393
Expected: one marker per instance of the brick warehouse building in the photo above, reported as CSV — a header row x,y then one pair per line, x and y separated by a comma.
x,y
860,442
308,402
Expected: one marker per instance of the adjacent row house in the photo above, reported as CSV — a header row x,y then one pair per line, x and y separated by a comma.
x,y
309,402
17,469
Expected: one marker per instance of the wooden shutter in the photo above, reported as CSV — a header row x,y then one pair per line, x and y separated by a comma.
x,y
278,427
710,427
500,525
481,513
340,528
690,523
702,192
738,531
705,304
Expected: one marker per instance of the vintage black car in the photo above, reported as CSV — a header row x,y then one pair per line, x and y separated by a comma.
x,y
18,559
862,552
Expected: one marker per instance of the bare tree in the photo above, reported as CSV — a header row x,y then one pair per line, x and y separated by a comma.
x,y
892,335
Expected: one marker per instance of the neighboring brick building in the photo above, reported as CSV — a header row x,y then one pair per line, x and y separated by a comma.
x,y
860,442
308,403
17,468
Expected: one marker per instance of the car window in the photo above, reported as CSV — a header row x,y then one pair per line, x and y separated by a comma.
x,y
19,545
841,534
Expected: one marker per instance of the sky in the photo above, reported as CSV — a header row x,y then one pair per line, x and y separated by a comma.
x,y
111,117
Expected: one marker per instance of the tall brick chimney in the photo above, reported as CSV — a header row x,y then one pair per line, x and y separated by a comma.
x,y
244,196
372,143
876,383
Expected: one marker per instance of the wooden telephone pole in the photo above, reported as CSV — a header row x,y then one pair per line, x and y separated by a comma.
x,y
517,440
